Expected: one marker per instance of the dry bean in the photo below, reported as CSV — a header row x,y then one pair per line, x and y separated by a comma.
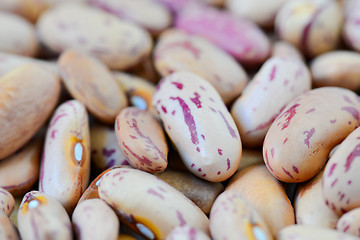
x,y
7,202
186,233
350,222
19,171
90,82
300,139
21,86
199,124
65,167
7,229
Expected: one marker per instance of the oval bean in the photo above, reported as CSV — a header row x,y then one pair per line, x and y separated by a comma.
x,y
350,222
7,201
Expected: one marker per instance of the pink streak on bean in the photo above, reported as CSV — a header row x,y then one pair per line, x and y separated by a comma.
x,y
332,168
189,119
309,134
155,193
57,118
272,74
53,133
220,151
290,113
310,110
196,100
228,164
349,160
181,218
295,169
231,130
334,182
143,161
178,85
353,111
267,161
287,173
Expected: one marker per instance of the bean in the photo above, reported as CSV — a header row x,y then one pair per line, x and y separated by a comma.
x,y
349,222
186,233
65,168
41,88
7,201
7,229
211,146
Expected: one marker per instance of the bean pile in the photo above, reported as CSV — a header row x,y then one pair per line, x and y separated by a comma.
x,y
179,119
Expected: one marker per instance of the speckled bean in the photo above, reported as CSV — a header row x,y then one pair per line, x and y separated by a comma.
x,y
105,151
27,92
94,219
239,37
141,139
199,124
260,12
350,222
149,14
351,27
310,207
7,201
119,44
186,232
65,166
178,51
314,26
138,90
266,195
202,193
279,81
341,175
42,217
232,217
17,35
337,68
303,232
148,204
7,229
90,82
20,171
300,139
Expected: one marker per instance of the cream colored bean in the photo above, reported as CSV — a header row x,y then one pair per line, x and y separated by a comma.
x,y
28,95
203,193
341,175
303,232
300,139
314,26
148,204
266,195
142,140
350,222
90,82
278,82
310,207
105,151
18,35
178,51
149,14
337,68
19,172
199,124
41,217
232,217
65,167
119,44
7,201
186,233
7,229
94,219
260,12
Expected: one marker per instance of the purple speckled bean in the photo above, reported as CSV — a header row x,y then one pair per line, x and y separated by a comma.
x,y
41,216
350,222
141,139
301,137
280,80
314,26
148,204
199,124
341,175
65,167
239,37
